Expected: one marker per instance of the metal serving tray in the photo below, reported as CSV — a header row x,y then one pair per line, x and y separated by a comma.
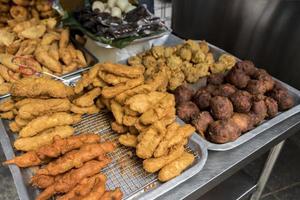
x,y
125,171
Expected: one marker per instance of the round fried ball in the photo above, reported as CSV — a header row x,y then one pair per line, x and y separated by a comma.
x,y
212,89
221,107
225,90
187,110
272,107
202,98
283,98
247,67
256,87
243,121
242,101
238,78
223,131
216,79
183,94
202,121
258,111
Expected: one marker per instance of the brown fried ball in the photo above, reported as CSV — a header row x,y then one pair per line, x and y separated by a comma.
x,y
202,98
247,67
266,78
202,121
272,107
283,98
256,87
187,110
183,94
212,89
216,79
243,121
225,90
221,107
238,78
223,131
258,112
242,101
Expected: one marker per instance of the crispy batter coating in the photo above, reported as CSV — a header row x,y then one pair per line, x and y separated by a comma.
x,y
283,98
123,70
87,78
111,78
118,111
129,120
176,167
112,195
25,160
48,121
238,78
87,99
272,107
221,107
182,94
84,110
33,87
7,115
223,131
5,88
243,121
202,98
45,137
241,101
118,128
187,111
183,132
202,121
128,140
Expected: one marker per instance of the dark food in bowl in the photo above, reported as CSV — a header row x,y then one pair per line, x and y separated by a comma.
x,y
223,131
182,94
221,107
202,121
202,98
187,110
242,101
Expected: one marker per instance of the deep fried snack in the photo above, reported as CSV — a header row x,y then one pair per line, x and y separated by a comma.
x,y
7,60
25,101
44,58
256,87
6,74
6,105
76,158
25,160
243,121
45,137
111,78
64,38
123,70
87,78
142,102
118,128
272,107
84,110
176,167
118,111
14,127
202,121
216,79
88,98
110,92
21,122
225,90
48,121
182,94
283,98
33,87
129,120
259,111
113,194
130,112
152,165
221,107
187,111
43,107
223,131
238,78
33,32
247,67
128,140
19,13
183,132
241,101
7,115
202,98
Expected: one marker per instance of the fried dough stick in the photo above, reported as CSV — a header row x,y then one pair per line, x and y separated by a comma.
x,y
33,87
87,78
48,121
88,98
58,147
123,70
46,106
112,195
76,158
91,188
65,183
25,101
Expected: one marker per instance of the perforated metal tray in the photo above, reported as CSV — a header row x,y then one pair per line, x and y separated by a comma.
x,y
125,171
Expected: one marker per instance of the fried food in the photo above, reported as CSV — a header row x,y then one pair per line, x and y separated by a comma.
x,y
25,101
7,60
283,98
25,160
47,106
221,107
45,137
75,158
202,98
223,131
183,94
183,132
84,110
202,121
272,107
187,111
243,121
6,105
19,13
113,194
110,92
176,167
14,127
129,120
238,78
118,111
33,87
5,88
241,101
48,121
33,32
87,78
111,78
45,59
123,70
7,115
118,128
87,99
128,140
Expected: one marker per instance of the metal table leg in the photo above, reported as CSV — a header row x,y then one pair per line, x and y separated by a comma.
x,y
273,155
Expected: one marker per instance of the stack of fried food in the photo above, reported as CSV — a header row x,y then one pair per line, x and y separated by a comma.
x,y
232,103
184,62
12,11
36,46
144,116
70,168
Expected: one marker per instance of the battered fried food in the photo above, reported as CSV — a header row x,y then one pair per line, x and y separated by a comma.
x,y
216,79
242,101
238,78
48,121
129,120
87,78
6,105
42,107
25,101
176,167
113,194
183,132
33,87
118,128
221,107
25,160
85,110
272,107
202,121
44,58
76,158
225,90
7,115
45,137
111,78
183,94
243,121
187,111
87,99
7,60
123,70
118,111
110,92
283,98
128,140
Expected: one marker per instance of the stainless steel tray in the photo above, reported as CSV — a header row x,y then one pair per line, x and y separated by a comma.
x,y
125,171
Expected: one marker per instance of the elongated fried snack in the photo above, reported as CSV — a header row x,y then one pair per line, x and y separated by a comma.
x,y
182,132
129,120
5,88
7,115
14,127
111,78
5,74
84,110
113,194
43,107
48,121
45,137
44,58
33,87
91,188
176,167
7,60
142,102
25,160
99,190
76,158
123,70
22,102
87,78
128,140
118,128
152,165
6,105
117,111
110,92
88,98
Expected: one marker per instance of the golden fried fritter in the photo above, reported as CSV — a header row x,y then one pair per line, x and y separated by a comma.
x,y
128,140
111,78
84,110
118,111
87,99
123,70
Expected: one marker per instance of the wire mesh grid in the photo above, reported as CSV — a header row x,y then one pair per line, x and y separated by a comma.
x,y
126,169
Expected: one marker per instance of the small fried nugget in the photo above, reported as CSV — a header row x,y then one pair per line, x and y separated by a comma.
x,y
53,51
47,106
111,78
128,140
33,87
117,110
130,112
110,92
118,128
123,70
21,122
176,167
5,88
113,194
85,110
6,105
45,137
80,58
87,99
129,120
48,121
7,115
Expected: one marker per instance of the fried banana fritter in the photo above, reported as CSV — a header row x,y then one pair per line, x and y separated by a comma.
x,y
128,140
123,70
84,110
87,99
